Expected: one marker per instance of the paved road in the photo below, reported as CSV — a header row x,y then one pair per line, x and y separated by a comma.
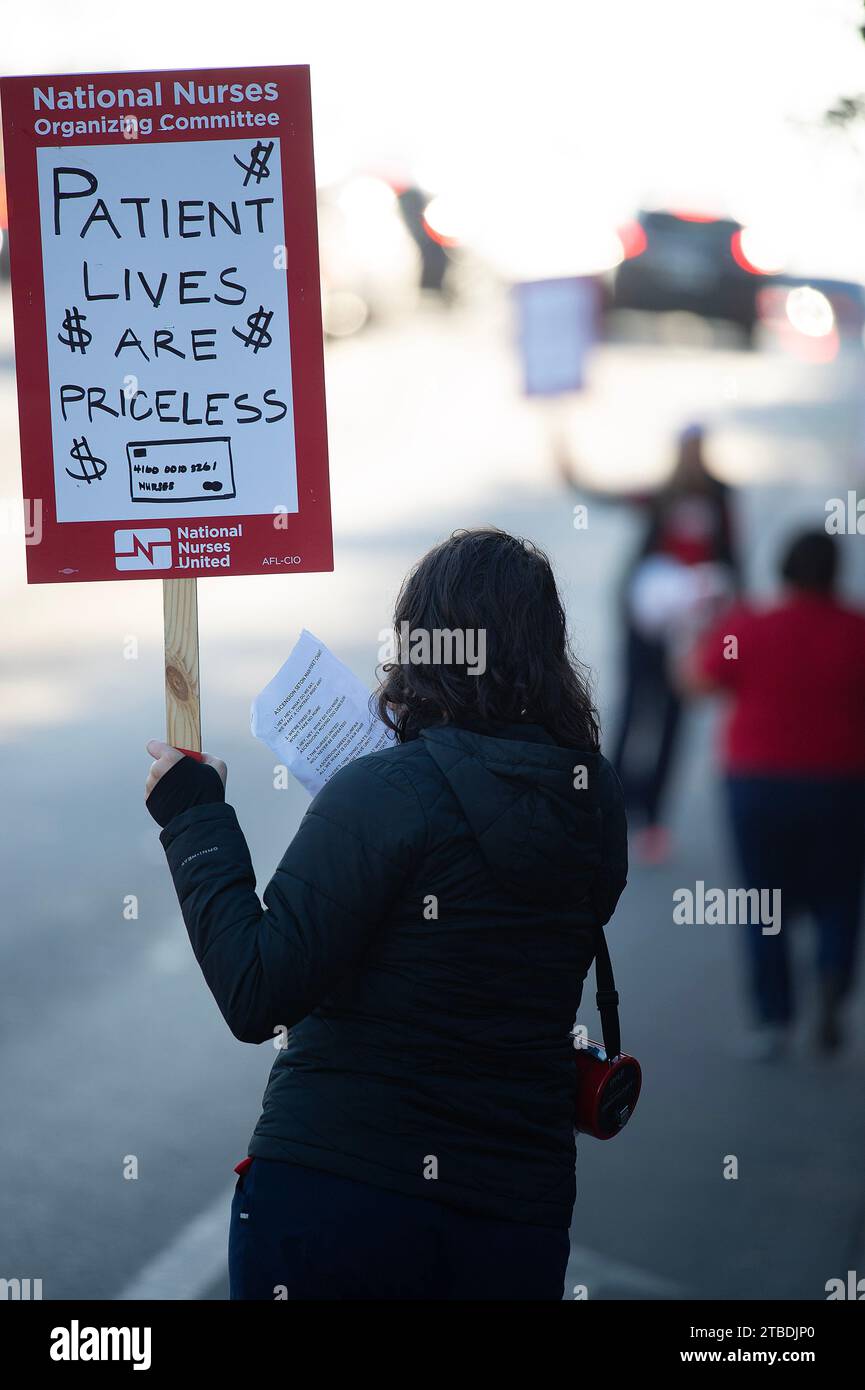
x,y
112,1047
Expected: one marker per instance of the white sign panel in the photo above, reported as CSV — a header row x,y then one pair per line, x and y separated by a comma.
x,y
167,329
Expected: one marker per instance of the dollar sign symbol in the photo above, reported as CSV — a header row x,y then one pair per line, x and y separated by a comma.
x,y
77,336
92,468
257,166
258,336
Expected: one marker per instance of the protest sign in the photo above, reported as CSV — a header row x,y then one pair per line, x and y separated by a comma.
x,y
557,326
167,313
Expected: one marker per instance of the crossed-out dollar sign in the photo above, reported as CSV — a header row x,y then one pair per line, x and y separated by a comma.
x,y
258,336
77,336
257,167
92,468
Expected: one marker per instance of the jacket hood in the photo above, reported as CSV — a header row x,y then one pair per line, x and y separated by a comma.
x,y
542,836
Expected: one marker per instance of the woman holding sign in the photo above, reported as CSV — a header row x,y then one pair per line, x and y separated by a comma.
x,y
421,953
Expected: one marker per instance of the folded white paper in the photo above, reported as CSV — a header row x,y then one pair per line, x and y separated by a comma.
x,y
315,716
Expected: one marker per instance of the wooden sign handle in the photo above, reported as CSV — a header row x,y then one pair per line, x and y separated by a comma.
x,y
182,696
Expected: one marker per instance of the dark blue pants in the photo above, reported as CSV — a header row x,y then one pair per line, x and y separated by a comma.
x,y
807,838
297,1233
648,726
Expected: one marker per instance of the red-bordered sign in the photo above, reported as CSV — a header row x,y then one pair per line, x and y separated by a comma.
x,y
167,308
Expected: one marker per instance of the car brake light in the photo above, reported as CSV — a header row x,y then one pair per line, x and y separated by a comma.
x,y
745,253
693,216
633,239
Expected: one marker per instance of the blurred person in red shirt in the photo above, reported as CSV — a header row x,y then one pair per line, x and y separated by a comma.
x,y
793,750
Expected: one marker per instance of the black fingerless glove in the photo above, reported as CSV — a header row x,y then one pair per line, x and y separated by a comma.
x,y
187,783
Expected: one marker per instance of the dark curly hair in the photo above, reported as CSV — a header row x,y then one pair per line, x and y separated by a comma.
x,y
488,581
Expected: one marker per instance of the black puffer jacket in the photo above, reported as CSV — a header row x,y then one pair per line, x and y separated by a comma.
x,y
424,944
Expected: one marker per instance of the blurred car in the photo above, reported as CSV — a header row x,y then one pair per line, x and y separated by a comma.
x,y
811,316
414,204
710,266
370,265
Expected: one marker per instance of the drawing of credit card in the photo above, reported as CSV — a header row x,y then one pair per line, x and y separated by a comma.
x,y
181,470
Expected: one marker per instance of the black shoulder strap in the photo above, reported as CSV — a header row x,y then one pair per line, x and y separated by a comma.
x,y
607,997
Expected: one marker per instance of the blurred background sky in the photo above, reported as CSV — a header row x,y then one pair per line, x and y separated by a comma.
x,y
526,119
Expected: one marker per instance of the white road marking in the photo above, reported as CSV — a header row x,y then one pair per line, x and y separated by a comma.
x,y
612,1279
192,1262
